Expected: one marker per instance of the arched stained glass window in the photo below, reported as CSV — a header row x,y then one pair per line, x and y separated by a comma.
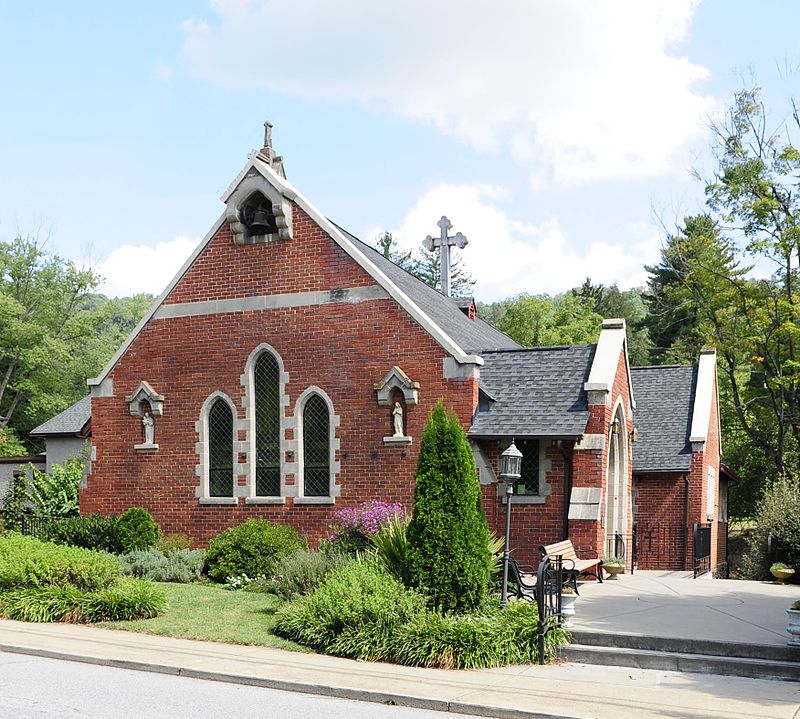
x,y
316,448
220,450
266,376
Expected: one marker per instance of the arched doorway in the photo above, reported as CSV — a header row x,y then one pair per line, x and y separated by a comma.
x,y
616,520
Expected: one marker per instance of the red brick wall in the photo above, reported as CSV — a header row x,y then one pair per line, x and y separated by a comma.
x,y
662,534
342,348
532,525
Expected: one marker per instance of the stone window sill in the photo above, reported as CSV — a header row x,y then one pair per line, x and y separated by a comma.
x,y
526,499
219,500
315,500
265,500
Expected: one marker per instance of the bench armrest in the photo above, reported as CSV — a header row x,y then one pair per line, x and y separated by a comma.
x,y
589,551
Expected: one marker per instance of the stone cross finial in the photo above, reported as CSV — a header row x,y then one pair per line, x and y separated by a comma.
x,y
268,152
444,242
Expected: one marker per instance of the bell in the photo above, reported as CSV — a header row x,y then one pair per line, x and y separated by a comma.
x,y
262,223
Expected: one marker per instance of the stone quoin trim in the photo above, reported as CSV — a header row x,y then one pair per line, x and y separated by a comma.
x,y
247,381
333,447
202,449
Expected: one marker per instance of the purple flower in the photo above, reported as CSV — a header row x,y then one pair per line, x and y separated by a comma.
x,y
366,519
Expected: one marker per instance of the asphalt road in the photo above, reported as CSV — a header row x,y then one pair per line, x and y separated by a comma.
x,y
33,687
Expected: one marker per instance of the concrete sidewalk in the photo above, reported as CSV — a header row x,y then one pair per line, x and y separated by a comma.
x,y
523,692
672,604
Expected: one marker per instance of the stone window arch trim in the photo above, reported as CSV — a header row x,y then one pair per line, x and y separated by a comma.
x,y
247,381
333,447
203,467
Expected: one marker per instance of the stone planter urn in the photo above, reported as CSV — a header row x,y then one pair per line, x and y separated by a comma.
x,y
568,608
613,570
793,627
782,574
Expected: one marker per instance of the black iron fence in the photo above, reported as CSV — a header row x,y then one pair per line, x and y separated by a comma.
x,y
549,585
701,544
38,526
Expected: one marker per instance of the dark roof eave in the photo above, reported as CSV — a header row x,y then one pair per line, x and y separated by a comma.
x,y
660,470
525,435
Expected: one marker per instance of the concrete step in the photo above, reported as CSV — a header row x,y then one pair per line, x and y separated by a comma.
x,y
706,647
683,662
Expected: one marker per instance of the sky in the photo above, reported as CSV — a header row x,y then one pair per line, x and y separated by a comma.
x,y
559,137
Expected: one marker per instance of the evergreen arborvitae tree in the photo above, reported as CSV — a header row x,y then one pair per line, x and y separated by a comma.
x,y
447,535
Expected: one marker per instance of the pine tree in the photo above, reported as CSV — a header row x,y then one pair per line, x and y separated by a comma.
x,y
447,535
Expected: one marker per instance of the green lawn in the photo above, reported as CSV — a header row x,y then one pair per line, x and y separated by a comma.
x,y
209,613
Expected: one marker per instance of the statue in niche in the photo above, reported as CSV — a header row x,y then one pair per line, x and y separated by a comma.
x,y
397,417
149,428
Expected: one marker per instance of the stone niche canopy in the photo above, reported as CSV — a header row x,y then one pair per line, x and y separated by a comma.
x,y
145,393
394,379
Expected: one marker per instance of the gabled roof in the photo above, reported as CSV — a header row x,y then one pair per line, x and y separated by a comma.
x,y
538,392
72,420
664,406
472,335
436,317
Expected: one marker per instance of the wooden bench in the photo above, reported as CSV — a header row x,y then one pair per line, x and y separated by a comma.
x,y
592,566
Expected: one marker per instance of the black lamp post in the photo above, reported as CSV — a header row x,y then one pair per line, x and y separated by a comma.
x,y
510,466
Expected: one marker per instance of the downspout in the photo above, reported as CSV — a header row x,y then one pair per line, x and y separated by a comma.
x,y
567,455
685,521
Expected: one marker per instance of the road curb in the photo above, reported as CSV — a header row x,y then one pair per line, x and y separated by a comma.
x,y
364,695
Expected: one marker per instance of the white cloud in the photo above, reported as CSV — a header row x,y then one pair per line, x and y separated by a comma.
x,y
575,90
131,269
163,71
508,256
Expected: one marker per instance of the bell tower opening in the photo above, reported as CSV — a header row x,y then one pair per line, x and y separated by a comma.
x,y
258,216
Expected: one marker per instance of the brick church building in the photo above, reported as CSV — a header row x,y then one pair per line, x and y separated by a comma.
x,y
289,369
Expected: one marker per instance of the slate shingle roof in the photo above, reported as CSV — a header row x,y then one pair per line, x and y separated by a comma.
x,y
538,392
471,335
663,417
71,421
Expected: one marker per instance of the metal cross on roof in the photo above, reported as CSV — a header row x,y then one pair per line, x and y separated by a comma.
x,y
444,242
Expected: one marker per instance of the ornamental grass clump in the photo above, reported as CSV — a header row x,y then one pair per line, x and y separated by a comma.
x,y
363,612
45,582
448,536
353,613
353,527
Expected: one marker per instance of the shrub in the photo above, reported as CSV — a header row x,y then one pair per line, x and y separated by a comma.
x,y
302,572
136,529
182,565
448,536
353,527
91,531
250,548
55,494
124,599
778,514
361,611
353,612
29,562
174,542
